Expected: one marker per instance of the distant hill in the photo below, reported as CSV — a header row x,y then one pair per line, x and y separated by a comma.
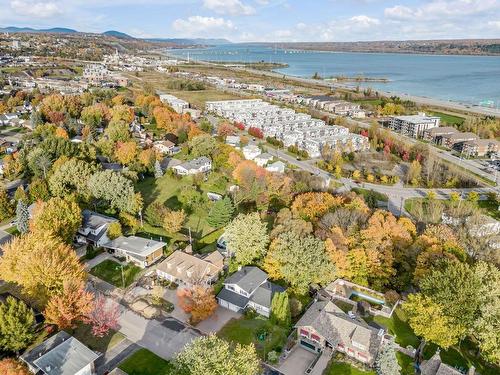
x,y
14,29
117,34
186,41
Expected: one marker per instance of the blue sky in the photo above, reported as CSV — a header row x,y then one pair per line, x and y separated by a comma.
x,y
265,20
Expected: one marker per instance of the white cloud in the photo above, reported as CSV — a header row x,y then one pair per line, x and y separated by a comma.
x,y
439,9
38,9
362,21
200,26
232,7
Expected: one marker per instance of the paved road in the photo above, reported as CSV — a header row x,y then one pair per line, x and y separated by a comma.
x,y
113,357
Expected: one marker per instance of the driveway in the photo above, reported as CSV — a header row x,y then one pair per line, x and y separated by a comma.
x,y
297,362
218,320
162,338
91,263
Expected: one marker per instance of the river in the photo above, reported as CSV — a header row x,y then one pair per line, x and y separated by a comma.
x,y
462,79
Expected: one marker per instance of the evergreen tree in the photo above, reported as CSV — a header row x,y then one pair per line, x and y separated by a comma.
x,y
387,362
22,216
20,194
6,208
16,325
158,170
221,213
280,309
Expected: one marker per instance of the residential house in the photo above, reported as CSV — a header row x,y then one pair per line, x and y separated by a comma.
x,y
195,166
61,354
262,159
7,118
324,325
233,140
278,166
415,125
187,269
435,366
141,251
165,147
250,152
248,288
454,141
94,229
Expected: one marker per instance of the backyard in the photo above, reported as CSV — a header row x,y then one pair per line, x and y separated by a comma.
x,y
144,362
260,331
342,368
397,325
166,190
100,344
111,272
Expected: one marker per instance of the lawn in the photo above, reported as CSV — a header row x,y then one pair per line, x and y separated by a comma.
x,y
110,271
199,98
166,191
365,192
247,330
448,119
397,325
341,368
406,363
144,362
487,207
101,344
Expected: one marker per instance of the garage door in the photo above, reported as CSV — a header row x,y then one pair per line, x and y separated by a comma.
x,y
308,345
228,305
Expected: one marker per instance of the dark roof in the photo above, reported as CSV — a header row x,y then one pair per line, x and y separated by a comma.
x,y
264,294
248,278
4,238
233,298
93,220
322,98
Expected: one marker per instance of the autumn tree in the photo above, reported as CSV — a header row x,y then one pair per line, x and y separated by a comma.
x,y
221,213
224,129
280,309
58,217
173,220
247,238
198,300
202,145
300,260
164,119
123,113
95,115
312,205
114,230
69,307
125,152
213,355
39,190
428,320
17,323
147,158
285,222
103,316
6,206
11,366
40,264
251,180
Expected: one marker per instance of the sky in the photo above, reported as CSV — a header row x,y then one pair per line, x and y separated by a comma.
x,y
265,20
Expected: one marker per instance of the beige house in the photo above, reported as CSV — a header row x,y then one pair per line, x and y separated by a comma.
x,y
186,269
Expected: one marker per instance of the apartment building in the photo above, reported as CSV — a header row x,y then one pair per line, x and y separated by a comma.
x,y
455,140
95,73
284,124
415,125
177,104
435,135
479,147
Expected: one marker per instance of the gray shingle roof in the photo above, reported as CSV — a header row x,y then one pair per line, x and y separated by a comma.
x,y
61,354
93,220
233,298
264,293
248,278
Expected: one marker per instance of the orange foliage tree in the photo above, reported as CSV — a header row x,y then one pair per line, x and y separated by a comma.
x,y
311,206
198,300
11,366
126,152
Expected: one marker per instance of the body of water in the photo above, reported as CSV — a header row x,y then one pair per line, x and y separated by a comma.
x,y
465,79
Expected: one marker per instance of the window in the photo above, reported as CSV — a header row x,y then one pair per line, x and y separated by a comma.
x,y
230,287
304,332
315,337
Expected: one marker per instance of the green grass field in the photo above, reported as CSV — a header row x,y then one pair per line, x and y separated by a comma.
x,y
448,119
199,98
340,368
144,362
397,325
110,271
101,344
487,207
246,331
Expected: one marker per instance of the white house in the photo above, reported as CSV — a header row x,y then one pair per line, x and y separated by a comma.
x,y
248,288
233,140
61,354
278,166
262,159
195,166
141,251
165,147
250,152
94,229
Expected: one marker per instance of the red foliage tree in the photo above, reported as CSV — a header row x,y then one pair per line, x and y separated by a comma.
x,y
104,316
364,133
239,125
255,132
